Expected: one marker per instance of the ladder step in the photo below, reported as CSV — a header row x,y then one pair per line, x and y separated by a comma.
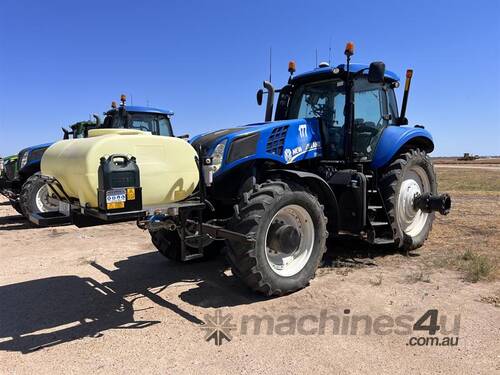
x,y
383,241
379,223
375,207
192,256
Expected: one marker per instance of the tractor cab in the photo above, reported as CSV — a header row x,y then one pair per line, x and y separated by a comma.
x,y
80,129
152,120
353,104
375,106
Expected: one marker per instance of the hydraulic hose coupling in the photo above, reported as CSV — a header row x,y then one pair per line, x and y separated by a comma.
x,y
428,202
159,222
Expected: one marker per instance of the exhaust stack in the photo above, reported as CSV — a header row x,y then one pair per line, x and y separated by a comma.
x,y
270,100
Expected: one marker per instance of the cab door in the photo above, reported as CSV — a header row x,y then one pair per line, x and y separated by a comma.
x,y
370,118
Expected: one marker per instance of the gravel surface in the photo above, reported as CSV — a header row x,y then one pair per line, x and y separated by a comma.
x,y
102,300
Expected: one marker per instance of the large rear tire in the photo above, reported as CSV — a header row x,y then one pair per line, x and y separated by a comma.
x,y
411,173
34,197
289,228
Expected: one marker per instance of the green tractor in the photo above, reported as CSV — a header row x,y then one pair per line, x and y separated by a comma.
x,y
8,169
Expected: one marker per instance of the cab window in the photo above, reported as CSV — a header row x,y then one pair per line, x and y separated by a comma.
x,y
393,106
165,128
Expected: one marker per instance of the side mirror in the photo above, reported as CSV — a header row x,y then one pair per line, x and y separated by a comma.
x,y
376,72
66,133
97,120
260,94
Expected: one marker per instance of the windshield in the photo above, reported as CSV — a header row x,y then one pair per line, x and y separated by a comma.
x,y
150,122
325,100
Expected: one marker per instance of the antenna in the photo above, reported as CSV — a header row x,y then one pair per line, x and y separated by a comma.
x,y
131,100
270,62
330,52
316,58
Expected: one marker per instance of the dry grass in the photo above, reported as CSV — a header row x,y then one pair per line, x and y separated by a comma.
x,y
377,280
475,267
454,160
418,276
467,239
461,180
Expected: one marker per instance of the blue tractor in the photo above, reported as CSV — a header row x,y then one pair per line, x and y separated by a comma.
x,y
29,194
338,159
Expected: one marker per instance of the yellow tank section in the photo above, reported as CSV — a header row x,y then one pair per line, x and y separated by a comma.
x,y
167,165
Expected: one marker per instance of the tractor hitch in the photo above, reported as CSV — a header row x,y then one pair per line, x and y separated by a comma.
x,y
429,202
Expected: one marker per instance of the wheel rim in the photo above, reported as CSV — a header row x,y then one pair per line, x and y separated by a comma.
x,y
287,262
42,200
412,221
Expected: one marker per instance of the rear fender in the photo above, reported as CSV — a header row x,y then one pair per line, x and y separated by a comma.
x,y
396,138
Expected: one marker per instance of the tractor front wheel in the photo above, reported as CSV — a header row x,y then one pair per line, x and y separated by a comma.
x,y
289,228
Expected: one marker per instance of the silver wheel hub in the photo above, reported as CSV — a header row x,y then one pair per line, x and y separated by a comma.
x,y
43,201
289,240
410,219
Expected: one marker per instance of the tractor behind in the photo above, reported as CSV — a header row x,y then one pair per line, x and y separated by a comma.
x,y
21,182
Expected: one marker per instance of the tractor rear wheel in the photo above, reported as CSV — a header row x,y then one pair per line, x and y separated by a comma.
x,y
289,228
410,174
35,197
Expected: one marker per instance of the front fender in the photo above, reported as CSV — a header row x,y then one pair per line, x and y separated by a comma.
x,y
394,138
319,187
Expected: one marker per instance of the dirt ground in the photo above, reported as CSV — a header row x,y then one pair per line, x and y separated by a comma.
x,y
102,300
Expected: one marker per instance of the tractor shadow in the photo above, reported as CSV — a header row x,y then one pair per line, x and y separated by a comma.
x,y
41,313
352,252
15,222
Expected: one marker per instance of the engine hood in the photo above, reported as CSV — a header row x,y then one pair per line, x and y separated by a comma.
x,y
36,147
282,142
208,141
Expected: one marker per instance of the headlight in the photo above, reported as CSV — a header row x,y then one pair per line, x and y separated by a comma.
x,y
24,159
218,154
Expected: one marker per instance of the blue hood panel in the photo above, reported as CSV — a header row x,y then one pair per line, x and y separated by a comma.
x,y
284,142
36,147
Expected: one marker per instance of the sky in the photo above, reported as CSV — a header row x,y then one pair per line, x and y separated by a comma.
x,y
60,61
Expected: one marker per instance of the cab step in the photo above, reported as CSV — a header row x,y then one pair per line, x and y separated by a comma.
x,y
383,241
378,223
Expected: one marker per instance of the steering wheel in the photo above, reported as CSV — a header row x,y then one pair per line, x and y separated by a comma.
x,y
367,127
142,127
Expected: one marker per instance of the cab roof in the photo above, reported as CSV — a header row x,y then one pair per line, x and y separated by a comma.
x,y
133,108
328,72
